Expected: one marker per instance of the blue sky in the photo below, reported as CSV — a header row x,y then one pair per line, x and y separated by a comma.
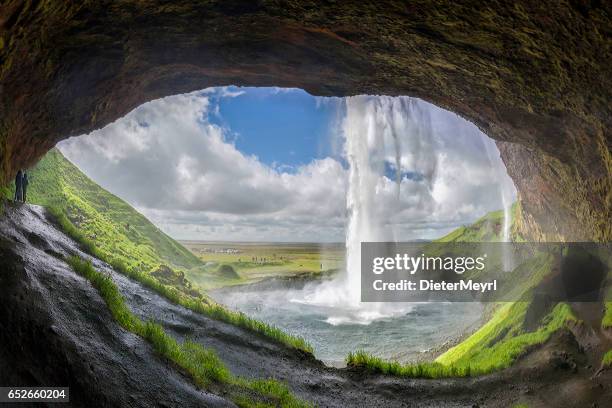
x,y
282,127
268,164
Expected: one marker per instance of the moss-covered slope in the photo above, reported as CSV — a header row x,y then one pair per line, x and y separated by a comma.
x,y
116,228
488,228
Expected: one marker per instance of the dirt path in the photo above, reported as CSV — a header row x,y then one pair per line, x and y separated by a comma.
x,y
50,314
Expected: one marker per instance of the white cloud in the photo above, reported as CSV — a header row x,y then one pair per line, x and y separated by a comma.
x,y
167,160
186,175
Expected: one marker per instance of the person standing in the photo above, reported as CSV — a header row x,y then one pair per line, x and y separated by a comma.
x,y
24,186
18,185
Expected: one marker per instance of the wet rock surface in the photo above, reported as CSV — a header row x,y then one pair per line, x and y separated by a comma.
x,y
56,330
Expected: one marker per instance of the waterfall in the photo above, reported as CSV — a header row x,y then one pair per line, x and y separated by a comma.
x,y
507,221
372,130
506,199
364,130
385,139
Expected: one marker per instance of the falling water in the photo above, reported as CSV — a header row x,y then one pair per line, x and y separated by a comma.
x,y
371,129
507,254
365,152
505,195
507,206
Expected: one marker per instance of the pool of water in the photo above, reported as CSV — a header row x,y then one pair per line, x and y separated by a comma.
x,y
413,329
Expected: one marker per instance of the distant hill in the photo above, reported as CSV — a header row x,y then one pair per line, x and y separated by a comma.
x,y
116,227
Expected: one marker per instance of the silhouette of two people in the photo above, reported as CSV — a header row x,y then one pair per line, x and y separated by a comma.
x,y
21,186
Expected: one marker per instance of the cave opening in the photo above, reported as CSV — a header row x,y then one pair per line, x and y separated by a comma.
x,y
533,76
269,183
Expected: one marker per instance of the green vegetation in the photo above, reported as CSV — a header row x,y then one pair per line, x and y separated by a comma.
x,y
203,365
606,322
503,339
227,271
253,262
364,361
606,361
6,192
201,304
495,346
94,218
489,228
116,228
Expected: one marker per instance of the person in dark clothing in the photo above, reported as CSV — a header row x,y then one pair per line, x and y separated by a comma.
x,y
24,186
18,185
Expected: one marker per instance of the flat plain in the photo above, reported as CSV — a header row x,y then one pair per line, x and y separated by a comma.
x,y
231,263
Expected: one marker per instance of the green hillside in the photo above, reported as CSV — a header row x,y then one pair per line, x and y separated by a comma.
x,y
489,228
122,234
505,336
115,227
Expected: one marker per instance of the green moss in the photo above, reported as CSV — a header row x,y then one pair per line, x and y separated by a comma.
x,y
486,229
495,346
606,322
202,305
203,365
606,361
116,228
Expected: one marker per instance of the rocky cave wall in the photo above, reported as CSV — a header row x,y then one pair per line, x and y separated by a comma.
x,y
535,76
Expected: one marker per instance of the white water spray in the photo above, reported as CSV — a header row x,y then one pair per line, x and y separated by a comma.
x,y
387,139
373,129
505,191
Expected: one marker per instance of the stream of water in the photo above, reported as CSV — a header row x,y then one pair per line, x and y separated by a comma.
x,y
403,337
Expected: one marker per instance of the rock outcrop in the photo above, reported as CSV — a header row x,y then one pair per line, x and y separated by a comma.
x,y
534,74
55,330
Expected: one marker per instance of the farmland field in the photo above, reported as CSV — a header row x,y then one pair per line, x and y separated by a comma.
x,y
252,262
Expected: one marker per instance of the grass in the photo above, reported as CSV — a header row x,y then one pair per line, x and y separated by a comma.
x,y
488,228
256,261
495,346
365,361
109,292
116,227
96,219
606,361
606,322
202,305
203,365
507,319
502,340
